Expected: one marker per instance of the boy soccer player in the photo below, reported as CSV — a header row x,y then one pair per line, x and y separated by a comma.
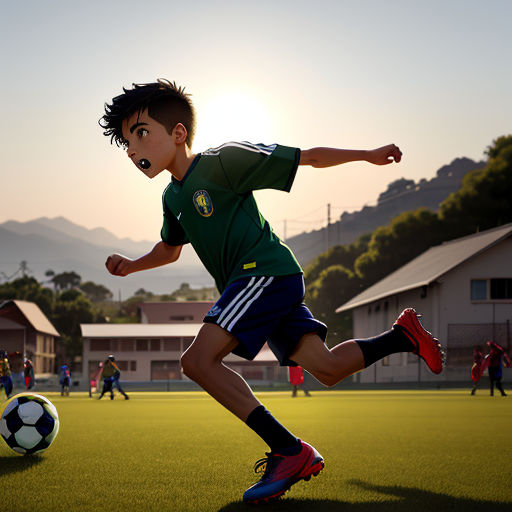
x,y
209,203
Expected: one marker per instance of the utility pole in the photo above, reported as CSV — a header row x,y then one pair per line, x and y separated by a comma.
x,y
284,231
328,225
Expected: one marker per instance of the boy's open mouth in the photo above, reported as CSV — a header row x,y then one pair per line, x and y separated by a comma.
x,y
144,164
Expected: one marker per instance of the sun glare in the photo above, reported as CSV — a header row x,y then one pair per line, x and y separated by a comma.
x,y
232,117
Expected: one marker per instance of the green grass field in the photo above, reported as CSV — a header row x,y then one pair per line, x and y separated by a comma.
x,y
400,451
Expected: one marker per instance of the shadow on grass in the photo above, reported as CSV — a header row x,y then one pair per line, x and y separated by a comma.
x,y
409,499
18,463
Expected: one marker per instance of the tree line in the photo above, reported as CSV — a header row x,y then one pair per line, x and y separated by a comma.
x,y
482,202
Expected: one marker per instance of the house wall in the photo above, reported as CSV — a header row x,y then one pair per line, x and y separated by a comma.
x,y
174,312
467,323
39,347
148,364
447,310
138,359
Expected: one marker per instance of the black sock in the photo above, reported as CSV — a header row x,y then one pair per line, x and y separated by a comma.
x,y
389,342
272,432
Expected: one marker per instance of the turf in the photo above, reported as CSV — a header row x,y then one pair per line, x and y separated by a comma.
x,y
385,451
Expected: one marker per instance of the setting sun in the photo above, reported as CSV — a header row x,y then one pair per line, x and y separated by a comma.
x,y
232,116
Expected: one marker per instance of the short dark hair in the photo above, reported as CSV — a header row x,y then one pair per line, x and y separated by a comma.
x,y
166,102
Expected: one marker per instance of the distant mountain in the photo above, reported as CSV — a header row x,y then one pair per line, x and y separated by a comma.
x,y
401,195
60,245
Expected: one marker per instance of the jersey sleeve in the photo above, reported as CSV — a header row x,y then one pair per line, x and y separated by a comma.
x,y
172,233
256,166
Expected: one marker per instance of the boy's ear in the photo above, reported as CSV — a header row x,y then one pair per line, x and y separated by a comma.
x,y
180,133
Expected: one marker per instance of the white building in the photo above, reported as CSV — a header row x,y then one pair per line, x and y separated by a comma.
x,y
463,289
151,351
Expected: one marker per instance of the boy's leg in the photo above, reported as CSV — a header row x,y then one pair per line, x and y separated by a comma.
x,y
330,366
290,459
202,362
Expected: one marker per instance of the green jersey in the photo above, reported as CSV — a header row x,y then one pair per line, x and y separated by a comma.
x,y
214,209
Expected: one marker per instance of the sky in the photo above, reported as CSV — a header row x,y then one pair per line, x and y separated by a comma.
x,y
432,76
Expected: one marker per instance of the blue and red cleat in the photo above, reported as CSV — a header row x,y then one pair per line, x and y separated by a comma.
x,y
281,472
425,345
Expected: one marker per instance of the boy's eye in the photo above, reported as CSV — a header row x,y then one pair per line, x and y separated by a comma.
x,y
142,132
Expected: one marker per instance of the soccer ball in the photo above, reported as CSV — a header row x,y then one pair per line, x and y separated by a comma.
x,y
29,423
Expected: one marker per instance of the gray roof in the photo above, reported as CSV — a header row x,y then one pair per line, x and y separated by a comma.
x,y
34,316
429,266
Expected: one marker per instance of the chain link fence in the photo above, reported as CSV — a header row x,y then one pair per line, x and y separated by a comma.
x,y
463,338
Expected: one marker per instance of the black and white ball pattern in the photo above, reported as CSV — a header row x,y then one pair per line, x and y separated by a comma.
x,y
29,423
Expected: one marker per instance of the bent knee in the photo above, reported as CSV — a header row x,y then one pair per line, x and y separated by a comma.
x,y
328,379
195,363
189,364
329,375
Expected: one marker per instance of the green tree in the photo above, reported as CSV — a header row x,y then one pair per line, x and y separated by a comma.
x,y
66,281
73,308
344,255
96,292
29,289
484,200
335,285
408,235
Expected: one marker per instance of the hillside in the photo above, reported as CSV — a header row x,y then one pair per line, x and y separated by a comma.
x,y
401,195
60,245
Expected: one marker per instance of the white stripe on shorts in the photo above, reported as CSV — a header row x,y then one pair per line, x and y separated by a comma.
x,y
227,309
248,304
231,309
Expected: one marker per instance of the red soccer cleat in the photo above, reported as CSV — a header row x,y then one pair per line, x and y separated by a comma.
x,y
281,472
426,346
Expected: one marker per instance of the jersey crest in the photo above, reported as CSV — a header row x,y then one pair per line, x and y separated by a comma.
x,y
203,203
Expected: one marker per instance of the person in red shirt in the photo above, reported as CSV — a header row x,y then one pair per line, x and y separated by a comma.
x,y
494,363
296,378
477,368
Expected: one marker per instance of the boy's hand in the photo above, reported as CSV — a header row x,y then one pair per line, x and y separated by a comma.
x,y
385,155
118,265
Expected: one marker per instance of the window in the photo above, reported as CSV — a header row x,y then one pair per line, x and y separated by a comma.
x,y
491,289
141,345
133,366
385,361
172,345
478,289
100,345
501,289
181,318
122,365
125,345
154,345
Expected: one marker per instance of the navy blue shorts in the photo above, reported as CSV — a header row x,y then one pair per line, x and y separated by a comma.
x,y
266,308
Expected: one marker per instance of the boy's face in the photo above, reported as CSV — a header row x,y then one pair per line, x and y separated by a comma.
x,y
148,144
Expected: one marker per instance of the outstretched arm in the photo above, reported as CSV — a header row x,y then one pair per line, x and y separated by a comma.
x,y
161,254
328,157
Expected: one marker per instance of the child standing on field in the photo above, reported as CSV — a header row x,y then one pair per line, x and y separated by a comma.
x,y
209,203
5,374
296,378
494,364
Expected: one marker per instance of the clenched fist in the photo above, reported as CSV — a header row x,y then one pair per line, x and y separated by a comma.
x,y
385,155
118,265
